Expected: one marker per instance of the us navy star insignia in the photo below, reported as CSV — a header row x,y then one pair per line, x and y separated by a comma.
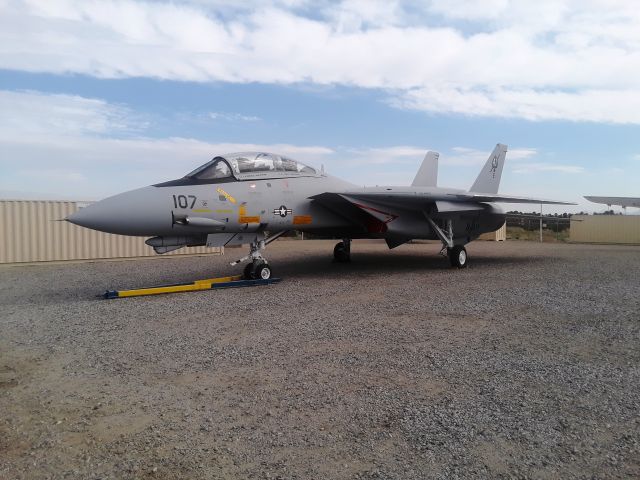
x,y
283,211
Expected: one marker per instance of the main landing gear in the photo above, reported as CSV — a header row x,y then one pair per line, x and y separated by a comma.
x,y
342,251
457,253
457,256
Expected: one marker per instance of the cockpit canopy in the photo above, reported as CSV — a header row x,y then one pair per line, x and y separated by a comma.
x,y
250,165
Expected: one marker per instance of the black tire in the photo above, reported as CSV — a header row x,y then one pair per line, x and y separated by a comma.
x,y
258,270
248,271
458,256
341,254
261,271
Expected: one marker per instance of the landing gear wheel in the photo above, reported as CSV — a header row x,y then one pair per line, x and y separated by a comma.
x,y
259,270
458,256
262,271
248,271
341,253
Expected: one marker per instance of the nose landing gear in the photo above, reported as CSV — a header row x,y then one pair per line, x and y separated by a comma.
x,y
258,268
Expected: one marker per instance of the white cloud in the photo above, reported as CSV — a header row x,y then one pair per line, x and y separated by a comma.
x,y
544,60
70,144
65,145
232,117
465,156
608,106
33,113
355,15
547,11
94,167
545,167
388,155
521,153
64,156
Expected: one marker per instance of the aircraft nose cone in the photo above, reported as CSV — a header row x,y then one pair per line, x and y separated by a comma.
x,y
137,212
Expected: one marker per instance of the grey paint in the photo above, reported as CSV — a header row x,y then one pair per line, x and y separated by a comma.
x,y
621,201
242,209
489,179
427,175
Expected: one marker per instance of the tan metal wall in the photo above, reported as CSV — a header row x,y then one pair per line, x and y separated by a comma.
x,y
29,232
499,235
623,229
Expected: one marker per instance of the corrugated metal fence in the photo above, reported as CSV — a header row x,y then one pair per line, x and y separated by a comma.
x,y
623,229
30,232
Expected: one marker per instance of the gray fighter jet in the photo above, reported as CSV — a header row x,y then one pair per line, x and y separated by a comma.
x,y
237,198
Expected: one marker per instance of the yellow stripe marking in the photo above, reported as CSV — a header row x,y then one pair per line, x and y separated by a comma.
x,y
202,210
225,195
190,287
302,219
252,219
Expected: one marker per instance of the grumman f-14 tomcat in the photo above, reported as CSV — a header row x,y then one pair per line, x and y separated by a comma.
x,y
237,198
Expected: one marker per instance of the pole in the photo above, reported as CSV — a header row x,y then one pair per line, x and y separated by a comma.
x,y
540,223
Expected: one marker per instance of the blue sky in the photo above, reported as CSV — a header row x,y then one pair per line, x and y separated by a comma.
x,y
97,97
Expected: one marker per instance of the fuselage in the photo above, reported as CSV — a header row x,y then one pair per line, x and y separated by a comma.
x,y
202,204
246,205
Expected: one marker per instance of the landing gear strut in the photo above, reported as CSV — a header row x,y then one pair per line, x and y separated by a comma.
x,y
457,253
457,256
258,268
342,251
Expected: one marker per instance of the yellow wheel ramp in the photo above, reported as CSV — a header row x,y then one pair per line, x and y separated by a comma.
x,y
195,286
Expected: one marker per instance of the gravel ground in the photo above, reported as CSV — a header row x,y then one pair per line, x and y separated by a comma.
x,y
524,365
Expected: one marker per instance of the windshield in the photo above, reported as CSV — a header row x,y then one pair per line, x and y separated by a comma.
x,y
216,168
247,163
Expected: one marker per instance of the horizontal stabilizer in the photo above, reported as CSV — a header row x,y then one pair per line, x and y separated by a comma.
x,y
427,175
512,199
621,201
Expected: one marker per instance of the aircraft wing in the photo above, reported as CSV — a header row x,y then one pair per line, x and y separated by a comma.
x,y
622,201
418,198
375,208
479,197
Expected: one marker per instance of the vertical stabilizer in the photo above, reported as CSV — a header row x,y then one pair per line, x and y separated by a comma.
x,y
427,175
489,179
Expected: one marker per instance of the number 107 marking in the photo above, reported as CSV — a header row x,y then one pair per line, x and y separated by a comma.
x,y
182,201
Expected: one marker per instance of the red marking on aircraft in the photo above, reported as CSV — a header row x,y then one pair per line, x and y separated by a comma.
x,y
391,216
